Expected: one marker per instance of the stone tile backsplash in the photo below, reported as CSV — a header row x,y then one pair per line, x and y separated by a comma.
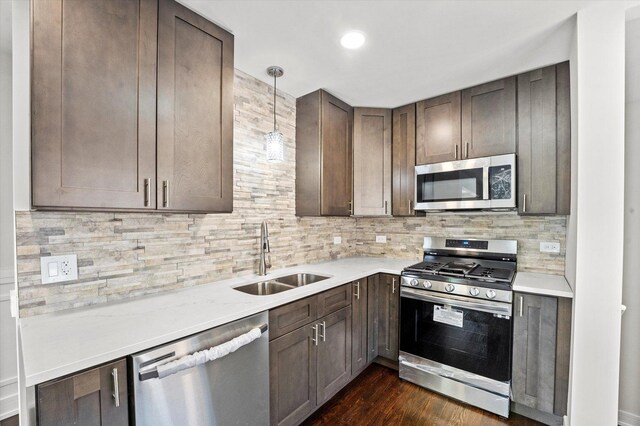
x,y
125,255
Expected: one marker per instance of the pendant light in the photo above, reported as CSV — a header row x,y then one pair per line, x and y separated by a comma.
x,y
275,141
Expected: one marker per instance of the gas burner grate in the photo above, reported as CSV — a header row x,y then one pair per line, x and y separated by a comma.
x,y
425,267
493,274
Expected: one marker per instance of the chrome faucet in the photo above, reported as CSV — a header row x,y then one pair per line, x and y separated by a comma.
x,y
264,249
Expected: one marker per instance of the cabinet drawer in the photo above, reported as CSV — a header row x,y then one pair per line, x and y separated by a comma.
x,y
289,317
334,299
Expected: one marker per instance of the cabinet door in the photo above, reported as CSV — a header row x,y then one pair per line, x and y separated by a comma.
x,y
284,319
544,158
372,317
359,326
388,303
292,376
372,161
87,398
534,351
331,300
438,129
334,353
489,119
336,179
404,160
195,112
93,111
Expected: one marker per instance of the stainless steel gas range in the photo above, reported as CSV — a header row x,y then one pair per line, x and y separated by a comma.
x,y
456,320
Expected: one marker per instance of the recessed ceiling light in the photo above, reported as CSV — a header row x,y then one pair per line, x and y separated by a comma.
x,y
352,40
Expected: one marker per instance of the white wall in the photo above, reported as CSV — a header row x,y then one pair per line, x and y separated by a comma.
x,y
599,211
629,361
8,365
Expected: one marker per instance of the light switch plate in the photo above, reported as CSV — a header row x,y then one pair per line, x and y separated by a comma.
x,y
549,247
337,240
55,269
381,238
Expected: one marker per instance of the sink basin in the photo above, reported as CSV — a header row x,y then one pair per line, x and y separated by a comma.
x,y
264,288
298,280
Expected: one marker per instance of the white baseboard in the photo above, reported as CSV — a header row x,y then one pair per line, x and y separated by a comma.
x,y
626,418
8,397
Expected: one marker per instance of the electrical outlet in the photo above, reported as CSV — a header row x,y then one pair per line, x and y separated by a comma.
x,y
381,238
55,269
549,247
337,240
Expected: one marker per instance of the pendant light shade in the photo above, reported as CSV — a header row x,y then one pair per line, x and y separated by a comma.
x,y
275,140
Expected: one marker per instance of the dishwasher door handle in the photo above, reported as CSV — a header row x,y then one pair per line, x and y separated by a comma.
x,y
201,357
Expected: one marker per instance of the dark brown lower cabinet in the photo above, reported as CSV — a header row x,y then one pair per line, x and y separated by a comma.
x,y
308,366
388,308
540,371
95,397
359,326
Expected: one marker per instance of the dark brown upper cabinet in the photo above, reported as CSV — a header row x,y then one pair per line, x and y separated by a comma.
x,y
195,112
98,140
324,150
404,160
438,129
475,122
93,110
544,141
372,162
489,119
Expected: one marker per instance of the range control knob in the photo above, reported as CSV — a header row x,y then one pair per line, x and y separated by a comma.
x,y
474,291
426,284
413,282
491,294
449,288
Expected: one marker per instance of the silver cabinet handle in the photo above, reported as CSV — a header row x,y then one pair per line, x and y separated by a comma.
x,y
386,207
456,152
524,203
521,305
147,192
467,150
350,207
116,388
393,285
314,338
324,331
165,193
357,294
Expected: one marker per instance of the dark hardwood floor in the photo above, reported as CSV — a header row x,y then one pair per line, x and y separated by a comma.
x,y
379,397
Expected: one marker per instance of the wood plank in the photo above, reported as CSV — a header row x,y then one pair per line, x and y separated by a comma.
x,y
287,318
331,300
379,397
563,139
563,351
309,153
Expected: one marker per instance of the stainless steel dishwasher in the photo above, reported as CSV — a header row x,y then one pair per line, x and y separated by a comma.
x,y
174,385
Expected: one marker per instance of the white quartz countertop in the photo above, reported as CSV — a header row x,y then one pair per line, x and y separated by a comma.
x,y
61,343
544,284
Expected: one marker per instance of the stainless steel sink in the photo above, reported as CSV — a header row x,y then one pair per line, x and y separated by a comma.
x,y
298,280
278,285
264,288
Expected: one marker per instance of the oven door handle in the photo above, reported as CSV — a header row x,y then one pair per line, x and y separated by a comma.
x,y
488,306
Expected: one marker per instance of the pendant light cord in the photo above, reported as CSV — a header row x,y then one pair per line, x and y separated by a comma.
x,y
275,79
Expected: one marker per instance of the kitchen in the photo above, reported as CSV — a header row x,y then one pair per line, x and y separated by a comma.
x,y
131,263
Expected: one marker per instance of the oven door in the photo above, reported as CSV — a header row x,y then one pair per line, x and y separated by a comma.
x,y
470,335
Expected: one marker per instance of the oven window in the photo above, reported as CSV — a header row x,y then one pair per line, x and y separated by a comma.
x,y
481,346
457,185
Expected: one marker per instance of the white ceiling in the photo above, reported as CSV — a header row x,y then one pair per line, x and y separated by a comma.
x,y
414,49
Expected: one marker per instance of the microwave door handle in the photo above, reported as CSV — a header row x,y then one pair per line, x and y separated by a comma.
x,y
485,183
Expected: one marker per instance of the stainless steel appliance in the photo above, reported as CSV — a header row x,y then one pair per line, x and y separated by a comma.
x,y
477,183
456,320
174,385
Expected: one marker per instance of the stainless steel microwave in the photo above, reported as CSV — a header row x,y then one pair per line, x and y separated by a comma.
x,y
477,183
